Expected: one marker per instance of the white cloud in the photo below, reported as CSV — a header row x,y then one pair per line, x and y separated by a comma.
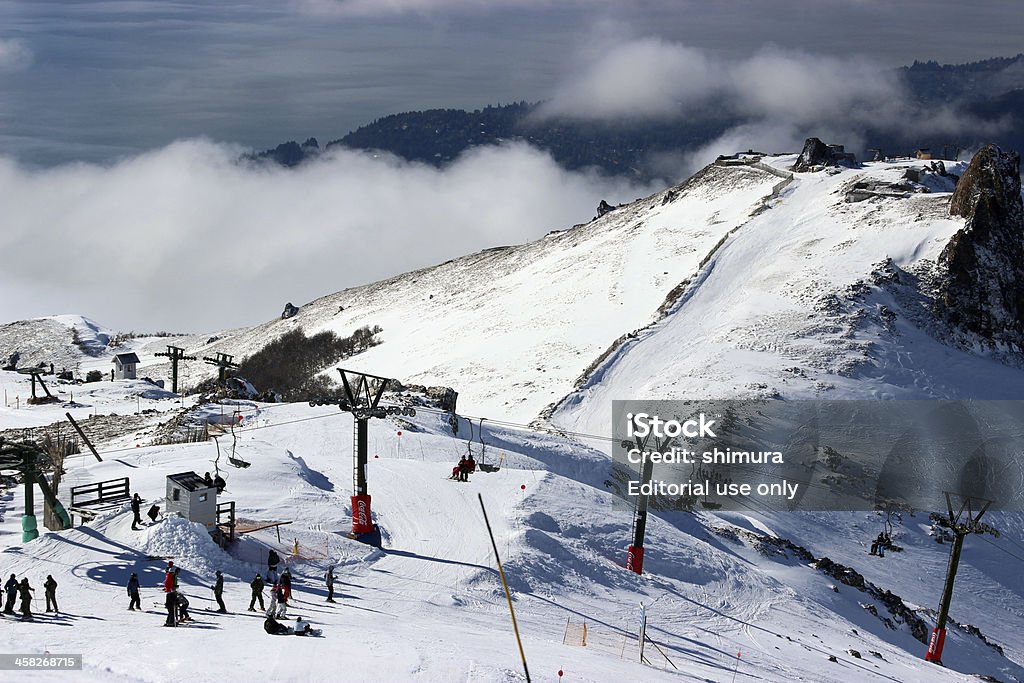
x,y
15,55
651,77
645,78
184,237
779,97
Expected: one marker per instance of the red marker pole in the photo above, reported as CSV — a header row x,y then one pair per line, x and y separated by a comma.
x,y
736,668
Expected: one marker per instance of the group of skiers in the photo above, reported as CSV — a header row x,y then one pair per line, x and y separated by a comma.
x,y
15,589
174,600
881,542
466,467
217,481
177,604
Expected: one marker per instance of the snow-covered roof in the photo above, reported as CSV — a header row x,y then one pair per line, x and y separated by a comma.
x,y
190,481
125,358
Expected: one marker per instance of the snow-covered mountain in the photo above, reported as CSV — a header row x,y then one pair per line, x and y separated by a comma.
x,y
746,281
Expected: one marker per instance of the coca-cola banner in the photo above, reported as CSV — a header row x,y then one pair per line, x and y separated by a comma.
x,y
362,522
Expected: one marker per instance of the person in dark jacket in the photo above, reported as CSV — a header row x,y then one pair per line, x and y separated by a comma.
x,y
257,593
219,482
171,603
280,602
275,628
208,480
218,592
330,583
182,608
273,560
286,584
12,594
25,591
133,593
50,586
136,512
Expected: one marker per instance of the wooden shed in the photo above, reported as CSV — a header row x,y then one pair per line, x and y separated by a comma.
x,y
124,365
191,497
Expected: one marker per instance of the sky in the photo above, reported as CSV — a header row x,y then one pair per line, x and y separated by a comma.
x,y
119,121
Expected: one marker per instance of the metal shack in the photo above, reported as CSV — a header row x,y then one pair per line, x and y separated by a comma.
x,y
192,498
124,365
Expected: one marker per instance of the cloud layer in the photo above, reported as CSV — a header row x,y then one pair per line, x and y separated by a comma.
x,y
777,96
15,55
186,238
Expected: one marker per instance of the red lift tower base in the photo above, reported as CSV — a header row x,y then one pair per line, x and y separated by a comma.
x,y
635,559
935,644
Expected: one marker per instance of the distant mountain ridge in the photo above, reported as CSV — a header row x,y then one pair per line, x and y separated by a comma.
x,y
991,90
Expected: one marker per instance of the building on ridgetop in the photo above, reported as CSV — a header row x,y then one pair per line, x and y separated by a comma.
x,y
124,365
923,153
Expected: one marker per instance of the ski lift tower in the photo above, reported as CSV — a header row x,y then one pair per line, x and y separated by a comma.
x,y
635,551
362,398
224,362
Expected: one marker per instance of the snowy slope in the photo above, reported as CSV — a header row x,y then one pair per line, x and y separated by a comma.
x,y
429,605
766,294
788,306
511,328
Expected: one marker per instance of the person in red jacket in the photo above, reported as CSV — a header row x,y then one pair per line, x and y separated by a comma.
x,y
170,578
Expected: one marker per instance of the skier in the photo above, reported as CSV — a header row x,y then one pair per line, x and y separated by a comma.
x,y
25,592
183,608
171,603
218,592
133,593
455,473
272,610
470,467
257,593
219,482
274,627
136,512
303,628
170,578
50,586
330,583
286,584
12,593
208,480
877,548
272,561
281,600
462,470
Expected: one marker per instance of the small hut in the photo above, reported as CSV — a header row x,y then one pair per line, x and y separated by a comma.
x,y
191,497
124,365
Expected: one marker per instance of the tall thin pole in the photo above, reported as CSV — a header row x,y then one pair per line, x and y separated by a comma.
x,y
504,584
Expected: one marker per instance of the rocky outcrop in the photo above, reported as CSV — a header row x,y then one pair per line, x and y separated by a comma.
x,y
981,286
289,311
815,153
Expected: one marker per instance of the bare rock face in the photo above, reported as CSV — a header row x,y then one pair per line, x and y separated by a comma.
x,y
982,266
814,153
289,311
